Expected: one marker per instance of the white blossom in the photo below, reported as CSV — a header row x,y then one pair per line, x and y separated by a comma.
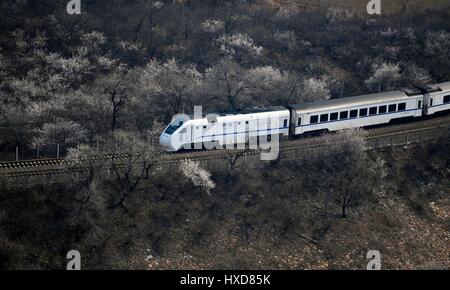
x,y
61,131
336,14
157,5
76,156
128,46
106,63
197,175
93,39
285,13
170,83
314,89
212,25
384,76
231,44
265,73
389,32
416,76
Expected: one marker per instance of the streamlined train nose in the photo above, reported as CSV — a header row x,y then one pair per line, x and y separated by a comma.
x,y
164,141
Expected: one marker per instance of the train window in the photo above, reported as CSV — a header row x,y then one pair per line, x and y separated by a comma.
x,y
353,113
299,121
431,102
285,123
363,112
334,116
343,115
382,109
392,108
204,127
172,128
314,119
373,111
402,106
419,104
246,122
324,118
224,124
446,99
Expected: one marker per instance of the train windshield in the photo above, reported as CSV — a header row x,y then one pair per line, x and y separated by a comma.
x,y
173,127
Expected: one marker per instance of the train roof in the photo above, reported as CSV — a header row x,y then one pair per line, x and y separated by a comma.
x,y
340,103
243,115
355,101
443,86
253,110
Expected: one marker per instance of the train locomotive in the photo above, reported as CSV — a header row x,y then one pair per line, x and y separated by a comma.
x,y
296,120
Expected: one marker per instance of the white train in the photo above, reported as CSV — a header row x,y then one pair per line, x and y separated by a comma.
x,y
331,115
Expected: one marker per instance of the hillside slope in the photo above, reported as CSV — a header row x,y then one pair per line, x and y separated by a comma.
x,y
359,6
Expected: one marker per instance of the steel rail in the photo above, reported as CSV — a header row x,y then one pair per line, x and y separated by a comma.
x,y
63,165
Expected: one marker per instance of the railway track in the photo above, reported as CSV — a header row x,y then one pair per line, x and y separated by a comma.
x,y
29,168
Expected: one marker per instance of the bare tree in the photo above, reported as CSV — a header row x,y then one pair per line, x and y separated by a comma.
x,y
232,157
90,200
132,162
116,88
415,76
151,8
343,173
226,81
437,47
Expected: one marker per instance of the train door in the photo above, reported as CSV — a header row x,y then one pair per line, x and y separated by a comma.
x,y
293,121
426,101
419,106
